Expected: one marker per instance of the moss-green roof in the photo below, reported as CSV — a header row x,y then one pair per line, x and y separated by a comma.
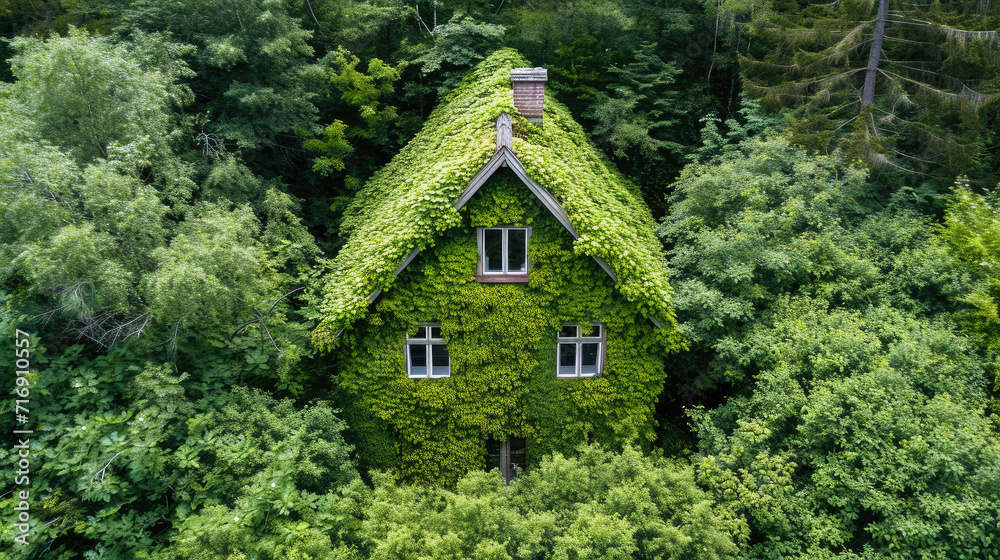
x,y
411,201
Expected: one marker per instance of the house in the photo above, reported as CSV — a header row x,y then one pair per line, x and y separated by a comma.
x,y
501,294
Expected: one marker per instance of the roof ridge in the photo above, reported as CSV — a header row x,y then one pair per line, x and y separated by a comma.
x,y
413,199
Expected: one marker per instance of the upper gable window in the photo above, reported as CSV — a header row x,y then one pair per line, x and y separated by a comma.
x,y
503,254
581,350
427,353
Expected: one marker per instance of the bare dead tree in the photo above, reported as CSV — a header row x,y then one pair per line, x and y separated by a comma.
x,y
211,145
173,338
260,319
107,329
874,54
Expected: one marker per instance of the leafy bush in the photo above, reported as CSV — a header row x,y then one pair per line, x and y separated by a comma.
x,y
764,220
124,452
598,504
972,232
864,438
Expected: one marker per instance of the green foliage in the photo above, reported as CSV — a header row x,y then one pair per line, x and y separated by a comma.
x,y
366,94
231,181
972,231
564,29
502,343
929,83
64,228
410,202
117,240
864,438
79,255
458,45
596,505
284,235
212,270
332,150
263,50
639,109
631,73
87,95
259,80
764,220
122,451
715,143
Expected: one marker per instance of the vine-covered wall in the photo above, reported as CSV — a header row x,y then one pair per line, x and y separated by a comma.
x,y
502,342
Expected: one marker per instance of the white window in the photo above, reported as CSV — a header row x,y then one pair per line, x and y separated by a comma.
x,y
581,350
427,353
503,251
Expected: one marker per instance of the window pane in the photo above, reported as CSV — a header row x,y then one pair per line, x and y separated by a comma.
x,y
436,332
588,357
517,250
568,331
493,245
439,360
567,359
518,456
421,333
593,331
418,360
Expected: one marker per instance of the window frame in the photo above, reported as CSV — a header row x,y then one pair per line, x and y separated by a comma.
x,y
578,341
428,342
505,275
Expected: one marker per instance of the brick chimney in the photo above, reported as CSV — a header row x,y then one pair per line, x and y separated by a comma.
x,y
529,91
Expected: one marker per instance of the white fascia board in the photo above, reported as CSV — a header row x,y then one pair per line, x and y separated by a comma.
x,y
500,158
506,158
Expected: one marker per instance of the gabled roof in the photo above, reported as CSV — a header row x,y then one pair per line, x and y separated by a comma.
x,y
504,157
416,197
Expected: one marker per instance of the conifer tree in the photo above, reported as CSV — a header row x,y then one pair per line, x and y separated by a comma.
x,y
887,80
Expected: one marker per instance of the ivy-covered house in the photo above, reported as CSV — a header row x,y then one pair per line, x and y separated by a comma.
x,y
501,294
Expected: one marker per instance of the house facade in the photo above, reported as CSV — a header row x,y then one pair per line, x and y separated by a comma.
x,y
501,294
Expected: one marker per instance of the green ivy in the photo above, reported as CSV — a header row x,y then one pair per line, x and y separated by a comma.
x,y
410,203
502,343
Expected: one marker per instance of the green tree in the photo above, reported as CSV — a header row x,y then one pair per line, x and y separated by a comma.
x,y
576,42
643,88
637,121
263,84
763,220
458,46
622,69
83,233
91,97
852,420
864,437
213,269
100,222
365,94
138,456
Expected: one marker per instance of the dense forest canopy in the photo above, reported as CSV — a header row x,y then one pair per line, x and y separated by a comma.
x,y
177,178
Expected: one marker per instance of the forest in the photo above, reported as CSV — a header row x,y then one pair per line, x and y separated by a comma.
x,y
178,179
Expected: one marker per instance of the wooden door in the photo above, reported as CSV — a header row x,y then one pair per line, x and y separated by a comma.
x,y
510,456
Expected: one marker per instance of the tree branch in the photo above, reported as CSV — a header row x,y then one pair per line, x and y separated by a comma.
x,y
103,471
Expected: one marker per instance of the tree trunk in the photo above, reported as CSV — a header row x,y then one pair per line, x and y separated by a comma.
x,y
868,93
48,10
